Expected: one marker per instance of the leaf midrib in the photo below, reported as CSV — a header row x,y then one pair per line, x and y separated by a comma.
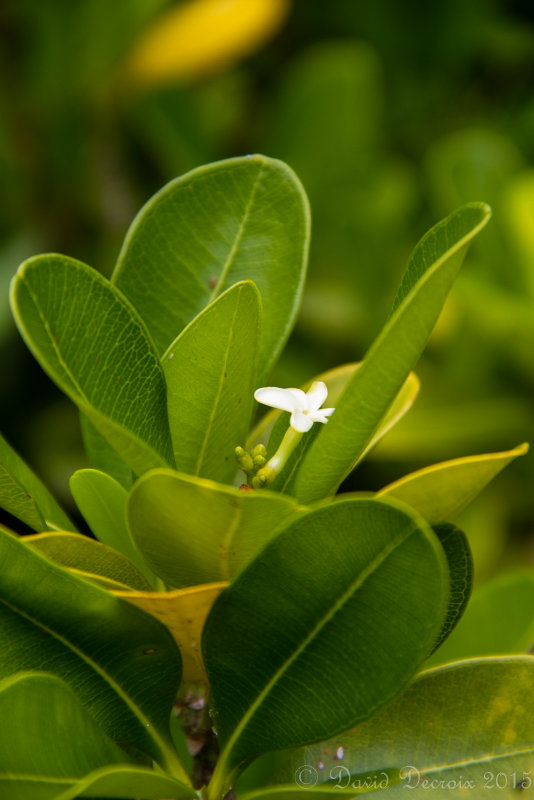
x,y
213,413
239,236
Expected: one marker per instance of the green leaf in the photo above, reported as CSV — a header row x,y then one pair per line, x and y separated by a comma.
x,y
498,621
323,628
460,561
239,219
90,341
125,782
210,371
429,276
102,501
102,456
47,738
124,665
217,531
470,721
24,496
440,492
82,553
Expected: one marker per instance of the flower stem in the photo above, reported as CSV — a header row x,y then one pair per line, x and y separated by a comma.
x,y
274,466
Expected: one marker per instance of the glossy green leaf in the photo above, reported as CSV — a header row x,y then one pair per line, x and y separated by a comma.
x,y
469,724
82,553
102,501
124,665
210,371
192,530
499,620
333,618
24,496
460,562
429,276
239,219
91,342
440,492
48,740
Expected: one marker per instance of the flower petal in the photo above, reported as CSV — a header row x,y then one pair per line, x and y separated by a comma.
x,y
300,422
301,399
284,399
316,395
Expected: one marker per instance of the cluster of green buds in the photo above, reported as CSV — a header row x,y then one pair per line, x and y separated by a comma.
x,y
251,462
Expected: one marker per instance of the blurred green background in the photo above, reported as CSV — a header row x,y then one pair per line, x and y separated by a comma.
x,y
392,114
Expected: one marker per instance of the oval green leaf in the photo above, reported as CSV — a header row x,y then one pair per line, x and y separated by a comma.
x,y
210,371
429,276
91,342
102,501
192,530
122,663
442,491
239,219
358,582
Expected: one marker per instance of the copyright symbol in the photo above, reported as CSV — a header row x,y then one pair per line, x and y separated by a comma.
x,y
306,776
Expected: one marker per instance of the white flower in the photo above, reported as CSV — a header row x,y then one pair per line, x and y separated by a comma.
x,y
305,407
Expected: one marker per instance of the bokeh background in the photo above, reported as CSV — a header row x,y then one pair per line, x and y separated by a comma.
x,y
392,114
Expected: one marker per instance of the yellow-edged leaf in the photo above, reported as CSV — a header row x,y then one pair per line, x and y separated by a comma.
x,y
441,491
184,612
202,36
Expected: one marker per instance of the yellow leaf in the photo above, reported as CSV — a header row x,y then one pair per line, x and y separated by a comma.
x,y
184,612
441,491
199,37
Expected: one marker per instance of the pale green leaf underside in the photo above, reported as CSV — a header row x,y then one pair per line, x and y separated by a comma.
x,y
468,721
240,219
192,530
429,276
442,491
24,496
210,371
90,341
102,501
